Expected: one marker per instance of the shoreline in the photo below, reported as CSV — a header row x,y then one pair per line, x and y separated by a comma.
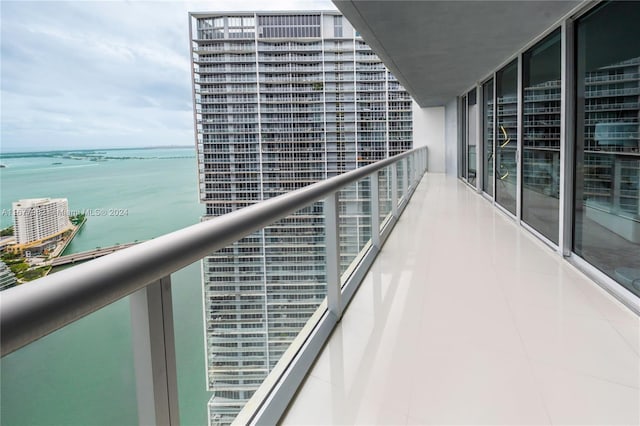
x,y
9,154
61,248
38,262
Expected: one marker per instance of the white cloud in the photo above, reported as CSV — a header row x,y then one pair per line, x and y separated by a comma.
x,y
97,74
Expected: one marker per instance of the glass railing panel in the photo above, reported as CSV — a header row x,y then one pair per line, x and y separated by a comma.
x,y
364,206
82,374
233,277
193,392
348,226
258,294
355,222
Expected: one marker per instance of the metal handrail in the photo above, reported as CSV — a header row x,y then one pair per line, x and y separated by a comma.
x,y
35,309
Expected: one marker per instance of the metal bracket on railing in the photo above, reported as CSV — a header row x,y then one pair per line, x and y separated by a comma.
x,y
154,354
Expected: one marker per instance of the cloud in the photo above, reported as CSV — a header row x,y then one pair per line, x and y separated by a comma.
x,y
98,74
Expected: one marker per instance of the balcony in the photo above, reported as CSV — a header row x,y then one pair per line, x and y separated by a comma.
x,y
316,237
476,322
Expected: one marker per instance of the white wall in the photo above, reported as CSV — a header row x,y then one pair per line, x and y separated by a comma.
x,y
451,137
429,131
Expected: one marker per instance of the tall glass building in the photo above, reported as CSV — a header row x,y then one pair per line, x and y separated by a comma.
x,y
281,100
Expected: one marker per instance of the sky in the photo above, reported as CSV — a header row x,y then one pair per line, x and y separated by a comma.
x,y
102,74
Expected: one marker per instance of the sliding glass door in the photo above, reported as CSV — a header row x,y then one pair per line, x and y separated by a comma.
x,y
607,162
463,137
468,137
507,136
541,81
521,161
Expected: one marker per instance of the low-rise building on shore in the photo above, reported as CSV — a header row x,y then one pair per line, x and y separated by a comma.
x,y
39,223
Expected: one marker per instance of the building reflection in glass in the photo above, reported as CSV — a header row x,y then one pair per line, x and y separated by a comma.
x,y
607,208
506,136
541,136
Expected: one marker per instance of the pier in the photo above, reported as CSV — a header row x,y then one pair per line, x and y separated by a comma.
x,y
61,247
87,255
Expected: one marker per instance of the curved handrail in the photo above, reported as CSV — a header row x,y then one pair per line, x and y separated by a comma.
x,y
37,308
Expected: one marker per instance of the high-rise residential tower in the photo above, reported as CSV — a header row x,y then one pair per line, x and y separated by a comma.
x,y
7,278
281,100
40,219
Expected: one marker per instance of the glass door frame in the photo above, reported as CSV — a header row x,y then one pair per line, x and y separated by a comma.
x,y
476,130
464,134
518,156
463,131
481,142
564,157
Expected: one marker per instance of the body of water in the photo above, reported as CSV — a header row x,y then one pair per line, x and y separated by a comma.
x,y
83,374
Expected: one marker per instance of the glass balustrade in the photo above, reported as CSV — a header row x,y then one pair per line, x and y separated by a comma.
x,y
262,296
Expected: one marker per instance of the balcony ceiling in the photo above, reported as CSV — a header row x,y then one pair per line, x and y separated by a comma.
x,y
437,49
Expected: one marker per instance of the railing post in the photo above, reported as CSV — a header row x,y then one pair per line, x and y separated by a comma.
x,y
425,160
415,168
405,176
332,239
155,354
394,190
375,210
425,156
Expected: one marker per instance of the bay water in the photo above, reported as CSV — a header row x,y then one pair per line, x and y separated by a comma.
x,y
83,374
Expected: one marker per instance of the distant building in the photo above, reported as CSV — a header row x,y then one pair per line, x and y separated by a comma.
x,y
7,279
37,220
282,100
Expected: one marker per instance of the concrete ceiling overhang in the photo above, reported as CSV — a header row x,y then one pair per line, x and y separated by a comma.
x,y
438,49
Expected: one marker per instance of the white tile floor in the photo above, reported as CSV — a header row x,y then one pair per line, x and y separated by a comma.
x,y
465,318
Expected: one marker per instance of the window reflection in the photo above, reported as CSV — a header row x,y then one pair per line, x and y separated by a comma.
x,y
607,215
506,136
541,136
